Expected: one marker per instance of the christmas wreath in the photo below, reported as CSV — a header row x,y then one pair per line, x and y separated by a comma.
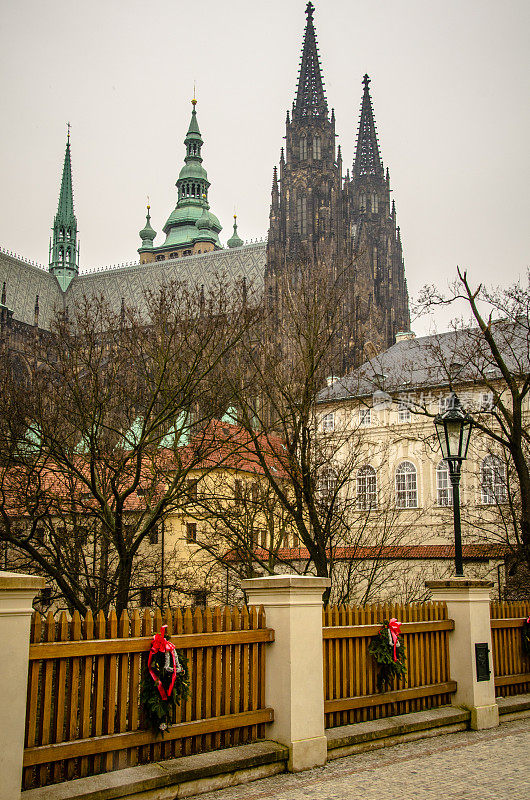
x,y
526,636
389,653
165,682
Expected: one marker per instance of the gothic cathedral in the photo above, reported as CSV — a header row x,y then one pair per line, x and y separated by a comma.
x,y
339,226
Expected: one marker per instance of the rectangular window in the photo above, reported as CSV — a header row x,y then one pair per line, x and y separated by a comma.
x,y
191,490
153,536
328,422
486,401
146,596
191,531
199,597
444,490
404,413
365,417
444,404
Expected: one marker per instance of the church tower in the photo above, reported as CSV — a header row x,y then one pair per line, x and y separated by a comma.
x,y
303,220
191,227
339,227
64,247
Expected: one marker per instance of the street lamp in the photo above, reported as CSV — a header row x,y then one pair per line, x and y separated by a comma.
x,y
453,428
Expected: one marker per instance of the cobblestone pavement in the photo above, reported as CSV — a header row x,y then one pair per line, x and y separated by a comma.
x,y
470,765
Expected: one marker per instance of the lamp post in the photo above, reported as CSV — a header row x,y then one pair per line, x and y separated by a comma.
x,y
453,428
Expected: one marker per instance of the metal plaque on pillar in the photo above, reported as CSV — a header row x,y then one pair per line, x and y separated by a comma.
x,y
482,661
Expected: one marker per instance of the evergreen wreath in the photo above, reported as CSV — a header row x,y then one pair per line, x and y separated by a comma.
x,y
390,654
525,633
165,682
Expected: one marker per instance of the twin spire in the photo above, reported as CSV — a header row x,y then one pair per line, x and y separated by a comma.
x,y
310,95
367,158
311,102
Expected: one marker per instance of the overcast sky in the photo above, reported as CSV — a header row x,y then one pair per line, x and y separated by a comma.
x,y
450,88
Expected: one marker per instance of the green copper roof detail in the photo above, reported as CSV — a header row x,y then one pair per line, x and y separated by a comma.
x,y
191,220
234,240
147,234
193,130
64,248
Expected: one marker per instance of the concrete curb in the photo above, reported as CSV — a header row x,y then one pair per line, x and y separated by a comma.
x,y
180,777
349,739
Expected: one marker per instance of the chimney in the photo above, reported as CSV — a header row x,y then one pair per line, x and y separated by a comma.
x,y
401,336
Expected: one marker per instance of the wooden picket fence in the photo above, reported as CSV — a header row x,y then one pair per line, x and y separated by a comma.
x,y
83,710
350,672
511,666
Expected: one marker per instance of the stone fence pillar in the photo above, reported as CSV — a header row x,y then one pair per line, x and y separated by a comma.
x,y
294,674
468,604
16,597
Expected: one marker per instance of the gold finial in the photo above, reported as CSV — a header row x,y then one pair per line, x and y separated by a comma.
x,y
148,204
194,101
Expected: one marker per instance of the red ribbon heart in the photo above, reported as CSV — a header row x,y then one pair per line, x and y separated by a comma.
x,y
395,629
161,645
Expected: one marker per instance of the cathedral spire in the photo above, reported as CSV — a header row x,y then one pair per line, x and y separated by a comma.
x,y
310,96
64,250
367,158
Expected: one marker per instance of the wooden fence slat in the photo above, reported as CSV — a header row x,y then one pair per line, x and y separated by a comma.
x,y
32,697
141,644
117,741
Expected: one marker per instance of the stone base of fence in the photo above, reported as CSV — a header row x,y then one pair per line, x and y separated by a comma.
x,y
294,677
468,604
16,597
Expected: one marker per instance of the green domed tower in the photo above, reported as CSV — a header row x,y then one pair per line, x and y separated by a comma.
x,y
191,227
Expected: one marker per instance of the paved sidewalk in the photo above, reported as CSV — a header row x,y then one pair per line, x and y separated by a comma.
x,y
470,765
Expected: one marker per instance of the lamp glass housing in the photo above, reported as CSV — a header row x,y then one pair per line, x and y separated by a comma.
x,y
454,432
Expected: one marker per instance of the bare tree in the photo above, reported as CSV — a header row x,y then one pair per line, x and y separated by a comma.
x,y
494,353
116,415
307,465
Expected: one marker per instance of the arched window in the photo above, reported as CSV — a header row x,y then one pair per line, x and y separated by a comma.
x,y
406,486
61,254
366,488
444,490
303,148
301,209
317,148
362,202
493,488
375,203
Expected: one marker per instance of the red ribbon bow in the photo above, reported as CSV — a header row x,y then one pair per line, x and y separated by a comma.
x,y
161,645
394,628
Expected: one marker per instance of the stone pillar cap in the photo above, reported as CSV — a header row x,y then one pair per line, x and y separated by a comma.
x,y
16,580
286,582
459,583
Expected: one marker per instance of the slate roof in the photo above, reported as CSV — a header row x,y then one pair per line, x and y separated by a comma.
x,y
428,361
24,281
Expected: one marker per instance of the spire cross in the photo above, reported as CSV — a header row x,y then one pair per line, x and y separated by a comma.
x,y
68,134
309,9
366,81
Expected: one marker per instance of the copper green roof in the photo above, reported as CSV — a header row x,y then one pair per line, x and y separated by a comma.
x,y
147,234
64,249
235,240
192,207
